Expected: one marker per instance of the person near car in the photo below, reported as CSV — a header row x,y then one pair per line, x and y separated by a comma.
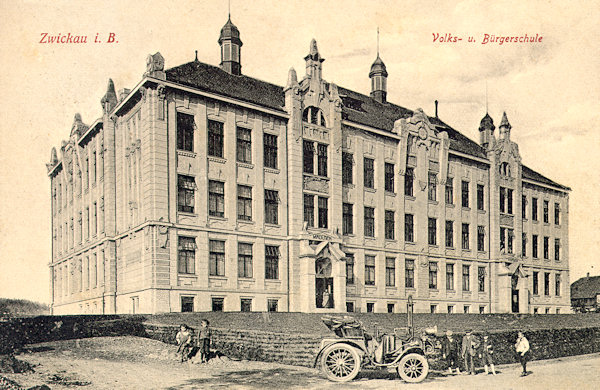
x,y
450,351
522,348
469,350
486,354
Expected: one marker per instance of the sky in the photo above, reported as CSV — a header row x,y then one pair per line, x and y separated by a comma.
x,y
550,90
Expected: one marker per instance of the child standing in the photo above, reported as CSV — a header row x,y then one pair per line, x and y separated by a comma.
x,y
450,351
486,354
204,341
184,341
522,348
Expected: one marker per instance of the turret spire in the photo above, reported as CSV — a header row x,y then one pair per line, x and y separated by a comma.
x,y
231,45
378,76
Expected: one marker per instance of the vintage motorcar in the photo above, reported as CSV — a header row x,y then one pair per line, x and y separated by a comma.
x,y
342,357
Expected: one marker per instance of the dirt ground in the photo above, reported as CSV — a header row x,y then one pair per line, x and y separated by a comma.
x,y
140,363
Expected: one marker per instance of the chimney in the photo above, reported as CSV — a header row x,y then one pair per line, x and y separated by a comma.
x,y
436,109
588,275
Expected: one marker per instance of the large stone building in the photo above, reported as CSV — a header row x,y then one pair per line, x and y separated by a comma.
x,y
204,189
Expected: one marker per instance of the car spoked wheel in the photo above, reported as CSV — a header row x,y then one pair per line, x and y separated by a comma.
x,y
413,368
340,362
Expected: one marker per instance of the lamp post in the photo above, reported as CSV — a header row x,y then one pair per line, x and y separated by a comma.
x,y
409,310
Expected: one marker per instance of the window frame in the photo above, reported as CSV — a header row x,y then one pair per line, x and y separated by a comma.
x,y
216,199
369,172
243,145
215,138
216,257
185,134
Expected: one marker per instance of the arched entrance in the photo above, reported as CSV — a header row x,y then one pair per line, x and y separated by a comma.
x,y
323,283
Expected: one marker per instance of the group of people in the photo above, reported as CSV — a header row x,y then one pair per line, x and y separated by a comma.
x,y
186,346
471,347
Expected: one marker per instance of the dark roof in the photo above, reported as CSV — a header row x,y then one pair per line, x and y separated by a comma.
x,y
587,287
530,174
210,78
367,111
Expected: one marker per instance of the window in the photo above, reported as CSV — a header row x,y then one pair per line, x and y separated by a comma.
x,y
509,201
216,198
534,211
556,214
185,193
557,285
481,238
347,219
450,309
215,139
502,240
309,157
93,170
481,279
245,304
389,177
390,307
270,150
449,234
216,254
465,193
95,220
534,246
87,173
313,115
370,307
502,199
369,270
187,304
465,236
185,132
322,159
433,269
244,203
244,145
432,308
272,305
87,222
466,275
323,211
480,197
244,260
408,181
271,207
350,307
369,173
349,268
524,244
432,231
217,304
369,222
390,271
432,186
186,255
390,225
481,309
466,309
557,249
450,277
271,262
535,282
524,207
450,191
309,210
546,212
409,273
347,163
409,228
546,248
546,283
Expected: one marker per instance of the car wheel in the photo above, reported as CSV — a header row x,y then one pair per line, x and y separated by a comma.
x,y
340,362
413,368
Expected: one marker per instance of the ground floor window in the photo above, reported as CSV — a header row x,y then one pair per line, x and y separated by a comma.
x,y
370,307
432,308
467,309
272,304
481,309
246,305
350,307
391,307
217,304
187,304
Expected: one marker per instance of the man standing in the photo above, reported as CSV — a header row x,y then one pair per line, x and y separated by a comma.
x,y
450,351
469,349
522,348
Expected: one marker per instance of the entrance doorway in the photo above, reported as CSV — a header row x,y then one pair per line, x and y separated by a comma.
x,y
514,294
323,283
